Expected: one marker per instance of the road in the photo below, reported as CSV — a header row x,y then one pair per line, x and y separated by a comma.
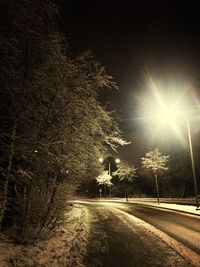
x,y
126,235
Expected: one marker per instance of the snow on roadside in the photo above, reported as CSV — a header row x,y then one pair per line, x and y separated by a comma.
x,y
66,248
184,251
177,207
183,207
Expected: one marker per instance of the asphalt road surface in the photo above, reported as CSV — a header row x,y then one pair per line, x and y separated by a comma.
x,y
135,235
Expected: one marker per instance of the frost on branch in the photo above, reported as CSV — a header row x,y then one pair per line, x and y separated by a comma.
x,y
104,179
126,172
114,140
53,128
155,161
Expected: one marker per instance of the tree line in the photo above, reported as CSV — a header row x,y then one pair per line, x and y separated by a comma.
x,y
153,163
53,129
157,175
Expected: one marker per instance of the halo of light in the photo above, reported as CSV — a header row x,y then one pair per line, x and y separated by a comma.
x,y
101,160
117,161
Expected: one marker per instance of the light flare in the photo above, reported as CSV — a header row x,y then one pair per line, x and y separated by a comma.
x,y
166,108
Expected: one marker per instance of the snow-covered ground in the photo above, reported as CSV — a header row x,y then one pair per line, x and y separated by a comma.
x,y
153,202
113,223
183,208
66,248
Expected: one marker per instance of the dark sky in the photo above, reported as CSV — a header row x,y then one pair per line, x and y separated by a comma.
x,y
131,38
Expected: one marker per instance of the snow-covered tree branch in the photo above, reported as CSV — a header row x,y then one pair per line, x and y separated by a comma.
x,y
104,179
156,163
126,173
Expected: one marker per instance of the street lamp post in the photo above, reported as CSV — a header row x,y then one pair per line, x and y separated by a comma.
x,y
117,161
169,114
109,172
193,165
167,108
100,190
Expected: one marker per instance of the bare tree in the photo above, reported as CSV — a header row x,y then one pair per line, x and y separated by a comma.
x,y
126,173
156,163
104,179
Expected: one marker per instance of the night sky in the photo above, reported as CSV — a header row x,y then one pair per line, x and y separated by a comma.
x,y
131,40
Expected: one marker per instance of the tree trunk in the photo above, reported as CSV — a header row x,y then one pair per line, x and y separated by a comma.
x,y
26,211
55,188
110,192
157,189
126,192
27,207
4,199
183,193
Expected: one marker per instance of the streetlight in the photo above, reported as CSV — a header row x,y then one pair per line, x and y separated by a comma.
x,y
169,113
170,116
117,161
101,160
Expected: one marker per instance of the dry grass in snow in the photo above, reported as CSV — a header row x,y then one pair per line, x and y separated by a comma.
x,y
66,248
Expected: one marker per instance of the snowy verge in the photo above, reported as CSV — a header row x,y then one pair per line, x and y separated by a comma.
x,y
130,220
176,207
191,209
66,248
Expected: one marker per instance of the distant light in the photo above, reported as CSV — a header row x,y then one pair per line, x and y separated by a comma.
x,y
36,151
101,160
117,161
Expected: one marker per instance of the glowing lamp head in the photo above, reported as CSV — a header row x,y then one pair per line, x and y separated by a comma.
x,y
117,161
168,114
101,160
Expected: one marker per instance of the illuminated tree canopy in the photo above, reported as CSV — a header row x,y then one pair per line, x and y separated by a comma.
x,y
126,172
155,161
104,179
